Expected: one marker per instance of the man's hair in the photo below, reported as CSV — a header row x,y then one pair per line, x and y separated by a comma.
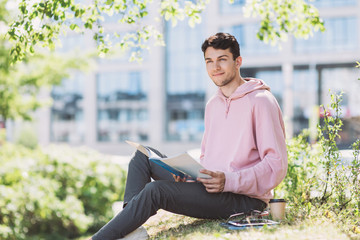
x,y
222,41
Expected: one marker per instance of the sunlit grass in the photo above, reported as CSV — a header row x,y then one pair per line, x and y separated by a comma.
x,y
166,225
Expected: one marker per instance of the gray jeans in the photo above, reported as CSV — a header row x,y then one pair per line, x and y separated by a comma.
x,y
144,197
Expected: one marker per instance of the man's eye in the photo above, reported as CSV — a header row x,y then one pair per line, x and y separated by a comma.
x,y
209,62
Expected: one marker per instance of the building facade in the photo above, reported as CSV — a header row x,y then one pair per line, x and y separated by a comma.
x,y
161,101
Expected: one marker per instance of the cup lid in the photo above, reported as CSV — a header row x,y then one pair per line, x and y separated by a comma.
x,y
277,200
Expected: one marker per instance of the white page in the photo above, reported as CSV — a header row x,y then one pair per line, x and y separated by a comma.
x,y
186,164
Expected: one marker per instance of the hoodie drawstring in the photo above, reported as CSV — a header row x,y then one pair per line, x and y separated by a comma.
x,y
227,106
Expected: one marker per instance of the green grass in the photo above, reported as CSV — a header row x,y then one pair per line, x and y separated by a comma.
x,y
166,225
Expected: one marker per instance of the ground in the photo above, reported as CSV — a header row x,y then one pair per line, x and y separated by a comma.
x,y
165,225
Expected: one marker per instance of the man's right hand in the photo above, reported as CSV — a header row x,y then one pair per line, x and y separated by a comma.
x,y
216,183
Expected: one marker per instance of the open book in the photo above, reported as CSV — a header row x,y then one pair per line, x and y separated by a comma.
x,y
182,165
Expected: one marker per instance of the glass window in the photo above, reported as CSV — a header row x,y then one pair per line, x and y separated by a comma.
x,y
67,120
333,3
235,7
305,87
116,55
186,82
122,106
340,35
113,19
274,79
73,42
249,43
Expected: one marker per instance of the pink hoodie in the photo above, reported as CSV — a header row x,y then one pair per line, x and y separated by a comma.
x,y
244,138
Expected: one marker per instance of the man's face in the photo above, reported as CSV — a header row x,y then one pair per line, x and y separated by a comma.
x,y
221,67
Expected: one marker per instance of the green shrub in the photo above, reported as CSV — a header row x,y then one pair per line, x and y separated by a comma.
x,y
27,137
56,192
355,173
341,182
2,136
319,183
300,183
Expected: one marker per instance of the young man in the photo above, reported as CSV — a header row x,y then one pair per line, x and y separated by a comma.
x,y
243,150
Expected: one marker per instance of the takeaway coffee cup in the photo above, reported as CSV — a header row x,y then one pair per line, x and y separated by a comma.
x,y
277,209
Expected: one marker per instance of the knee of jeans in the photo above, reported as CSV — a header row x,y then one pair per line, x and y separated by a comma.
x,y
157,188
137,156
153,190
152,186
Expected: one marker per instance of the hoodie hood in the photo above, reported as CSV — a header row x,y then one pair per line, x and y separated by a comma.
x,y
250,85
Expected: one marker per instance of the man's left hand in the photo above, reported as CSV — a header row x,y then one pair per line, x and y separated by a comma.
x,y
215,184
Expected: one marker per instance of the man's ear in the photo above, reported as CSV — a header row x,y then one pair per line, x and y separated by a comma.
x,y
238,61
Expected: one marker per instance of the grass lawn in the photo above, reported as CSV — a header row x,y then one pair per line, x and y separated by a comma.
x,y
165,225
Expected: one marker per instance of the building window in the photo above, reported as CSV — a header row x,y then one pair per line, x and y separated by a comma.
x,y
333,3
227,8
67,122
305,93
340,35
186,83
274,79
250,45
122,107
73,43
117,55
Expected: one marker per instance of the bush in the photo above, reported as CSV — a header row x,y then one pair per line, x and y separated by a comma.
x,y
57,192
319,182
2,135
27,137
300,183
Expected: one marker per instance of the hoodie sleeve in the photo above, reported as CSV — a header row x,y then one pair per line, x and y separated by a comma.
x,y
270,141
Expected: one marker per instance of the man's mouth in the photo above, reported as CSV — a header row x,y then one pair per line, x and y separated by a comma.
x,y
217,74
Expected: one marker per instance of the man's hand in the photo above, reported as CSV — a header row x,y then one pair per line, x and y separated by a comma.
x,y
178,179
215,184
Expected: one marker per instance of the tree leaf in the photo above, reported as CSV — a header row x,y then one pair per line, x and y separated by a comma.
x,y
73,26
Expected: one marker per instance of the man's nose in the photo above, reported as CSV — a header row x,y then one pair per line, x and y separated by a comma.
x,y
217,65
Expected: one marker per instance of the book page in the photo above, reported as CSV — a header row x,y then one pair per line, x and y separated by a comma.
x,y
183,163
186,164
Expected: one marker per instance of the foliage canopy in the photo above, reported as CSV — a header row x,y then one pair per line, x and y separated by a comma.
x,y
41,22
21,83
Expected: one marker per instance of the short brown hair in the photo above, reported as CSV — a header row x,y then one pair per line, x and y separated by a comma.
x,y
222,41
